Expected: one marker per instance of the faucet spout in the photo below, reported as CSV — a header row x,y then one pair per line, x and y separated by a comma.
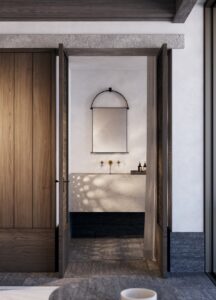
x,y
110,162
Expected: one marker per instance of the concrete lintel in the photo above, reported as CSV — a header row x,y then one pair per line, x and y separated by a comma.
x,y
174,41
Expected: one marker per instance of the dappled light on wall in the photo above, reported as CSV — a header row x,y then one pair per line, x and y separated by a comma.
x,y
107,193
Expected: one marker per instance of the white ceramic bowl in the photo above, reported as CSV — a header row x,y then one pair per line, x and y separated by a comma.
x,y
141,294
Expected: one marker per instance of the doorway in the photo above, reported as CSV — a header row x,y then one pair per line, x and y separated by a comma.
x,y
107,203
162,117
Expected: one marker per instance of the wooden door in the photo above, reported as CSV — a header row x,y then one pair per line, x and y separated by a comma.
x,y
27,161
162,158
63,161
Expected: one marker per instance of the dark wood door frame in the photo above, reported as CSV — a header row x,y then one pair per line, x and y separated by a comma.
x,y
155,52
63,233
112,51
162,159
210,137
30,50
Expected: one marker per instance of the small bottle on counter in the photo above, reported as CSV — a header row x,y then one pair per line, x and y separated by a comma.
x,y
144,167
139,167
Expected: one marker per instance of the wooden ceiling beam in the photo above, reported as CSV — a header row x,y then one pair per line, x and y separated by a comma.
x,y
183,9
210,3
86,10
96,10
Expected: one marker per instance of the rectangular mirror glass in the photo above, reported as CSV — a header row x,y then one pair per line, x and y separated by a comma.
x,y
109,130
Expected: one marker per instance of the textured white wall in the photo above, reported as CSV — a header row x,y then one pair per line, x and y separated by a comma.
x,y
188,128
87,77
187,103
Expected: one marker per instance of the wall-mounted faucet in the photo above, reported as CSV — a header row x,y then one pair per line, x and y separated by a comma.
x,y
110,163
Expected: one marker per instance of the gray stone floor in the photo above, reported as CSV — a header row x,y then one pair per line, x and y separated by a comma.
x,y
107,257
178,287
91,258
106,249
100,265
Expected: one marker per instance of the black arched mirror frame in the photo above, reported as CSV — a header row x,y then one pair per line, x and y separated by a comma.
x,y
109,126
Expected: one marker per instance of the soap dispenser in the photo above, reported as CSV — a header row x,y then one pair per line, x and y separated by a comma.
x,y
144,167
139,167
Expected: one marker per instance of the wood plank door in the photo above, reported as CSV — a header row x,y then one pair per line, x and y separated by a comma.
x,y
162,158
63,161
27,161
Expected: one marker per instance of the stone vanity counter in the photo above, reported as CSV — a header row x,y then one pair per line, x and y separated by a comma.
x,y
107,193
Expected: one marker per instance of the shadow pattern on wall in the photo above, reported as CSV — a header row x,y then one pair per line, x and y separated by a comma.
x,y
106,193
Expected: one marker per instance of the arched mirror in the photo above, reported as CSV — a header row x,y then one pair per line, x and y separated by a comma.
x,y
109,122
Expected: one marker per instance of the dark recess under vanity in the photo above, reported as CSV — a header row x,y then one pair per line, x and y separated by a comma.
x,y
91,225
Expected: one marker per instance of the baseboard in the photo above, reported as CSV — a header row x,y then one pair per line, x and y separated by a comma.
x,y
187,252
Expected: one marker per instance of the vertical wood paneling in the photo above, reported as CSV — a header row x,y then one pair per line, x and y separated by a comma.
x,y
23,140
42,196
6,140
